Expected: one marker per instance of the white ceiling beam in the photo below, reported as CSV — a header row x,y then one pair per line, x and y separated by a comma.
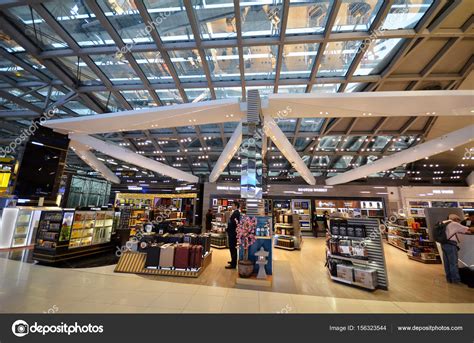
x,y
227,154
201,113
272,130
132,158
429,148
375,104
90,159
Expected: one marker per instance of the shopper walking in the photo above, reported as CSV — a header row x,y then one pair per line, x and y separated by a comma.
x,y
450,248
232,234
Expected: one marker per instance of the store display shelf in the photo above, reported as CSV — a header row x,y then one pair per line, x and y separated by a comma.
x,y
428,261
335,278
351,259
284,225
396,246
350,237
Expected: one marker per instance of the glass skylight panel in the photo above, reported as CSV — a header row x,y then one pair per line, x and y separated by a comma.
x,y
210,128
223,63
116,68
380,142
15,72
109,100
79,22
353,87
307,16
186,129
229,127
139,98
79,108
216,18
228,92
260,62
169,96
377,55
261,17
286,125
153,66
26,57
198,94
8,43
188,65
325,88
356,15
311,124
126,20
291,89
354,143
36,28
80,70
405,14
298,60
301,144
337,58
403,142
170,19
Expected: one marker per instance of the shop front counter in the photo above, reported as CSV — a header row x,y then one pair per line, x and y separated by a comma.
x,y
19,225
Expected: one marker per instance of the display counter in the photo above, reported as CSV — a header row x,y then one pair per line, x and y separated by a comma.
x,y
19,225
68,234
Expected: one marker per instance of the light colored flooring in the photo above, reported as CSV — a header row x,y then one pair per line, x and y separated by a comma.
x,y
414,288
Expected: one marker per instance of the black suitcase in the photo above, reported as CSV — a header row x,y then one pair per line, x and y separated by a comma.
x,y
145,242
153,255
205,241
190,229
191,238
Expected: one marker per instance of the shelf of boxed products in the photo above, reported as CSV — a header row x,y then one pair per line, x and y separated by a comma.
x,y
48,230
355,253
416,244
287,230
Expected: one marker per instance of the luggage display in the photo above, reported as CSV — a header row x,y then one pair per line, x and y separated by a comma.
x,y
205,240
190,229
153,255
195,257
145,242
167,256
181,256
176,238
191,238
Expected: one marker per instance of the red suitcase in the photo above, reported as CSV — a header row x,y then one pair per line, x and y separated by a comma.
x,y
196,256
181,256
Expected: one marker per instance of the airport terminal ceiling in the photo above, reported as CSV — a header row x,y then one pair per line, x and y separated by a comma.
x,y
91,57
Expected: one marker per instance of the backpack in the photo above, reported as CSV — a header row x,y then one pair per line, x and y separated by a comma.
x,y
439,232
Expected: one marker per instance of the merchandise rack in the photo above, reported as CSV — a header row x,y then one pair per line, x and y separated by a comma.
x,y
375,251
407,243
287,232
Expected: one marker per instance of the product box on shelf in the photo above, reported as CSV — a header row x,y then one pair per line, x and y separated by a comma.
x,y
360,231
367,277
350,231
345,272
334,229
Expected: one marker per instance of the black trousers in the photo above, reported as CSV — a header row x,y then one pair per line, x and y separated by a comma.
x,y
233,249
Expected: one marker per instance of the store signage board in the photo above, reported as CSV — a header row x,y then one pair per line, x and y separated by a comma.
x,y
443,191
310,189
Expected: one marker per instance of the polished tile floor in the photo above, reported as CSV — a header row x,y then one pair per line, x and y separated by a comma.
x,y
31,288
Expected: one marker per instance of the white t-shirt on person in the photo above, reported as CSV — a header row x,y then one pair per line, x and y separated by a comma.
x,y
453,228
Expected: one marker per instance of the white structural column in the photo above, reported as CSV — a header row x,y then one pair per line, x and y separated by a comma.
x,y
132,158
470,179
227,154
432,147
89,158
271,129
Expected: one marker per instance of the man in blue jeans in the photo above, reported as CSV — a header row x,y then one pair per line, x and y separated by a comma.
x,y
450,249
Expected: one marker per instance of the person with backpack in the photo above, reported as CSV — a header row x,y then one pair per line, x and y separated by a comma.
x,y
446,233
